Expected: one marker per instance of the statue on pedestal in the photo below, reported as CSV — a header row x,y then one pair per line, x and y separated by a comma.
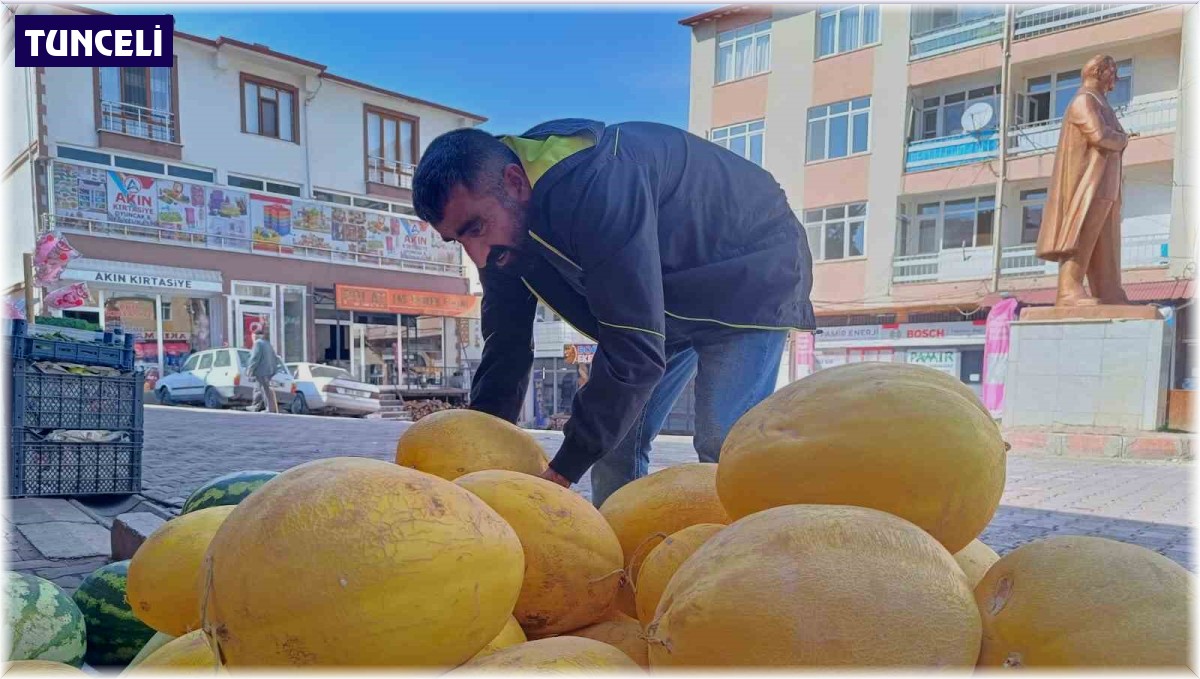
x,y
1081,223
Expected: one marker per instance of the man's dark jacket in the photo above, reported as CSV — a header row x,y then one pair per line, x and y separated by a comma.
x,y
651,238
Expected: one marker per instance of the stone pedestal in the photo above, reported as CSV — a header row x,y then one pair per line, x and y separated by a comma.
x,y
1101,373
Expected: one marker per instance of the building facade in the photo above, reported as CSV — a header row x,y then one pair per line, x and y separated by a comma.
x,y
242,188
883,125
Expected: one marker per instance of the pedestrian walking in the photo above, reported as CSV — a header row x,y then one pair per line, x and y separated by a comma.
x,y
264,363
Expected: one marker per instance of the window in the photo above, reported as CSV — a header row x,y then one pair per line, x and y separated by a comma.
x,y
1047,97
138,101
86,156
404,210
190,173
243,357
245,183
137,164
166,311
941,116
328,197
936,17
206,361
391,145
222,360
964,223
269,108
371,204
744,52
1032,204
839,130
192,362
842,28
745,139
837,232
285,189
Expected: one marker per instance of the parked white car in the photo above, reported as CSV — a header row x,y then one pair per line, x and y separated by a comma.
x,y
218,378
328,389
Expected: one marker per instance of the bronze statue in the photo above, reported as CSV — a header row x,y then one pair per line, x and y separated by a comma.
x,y
1081,224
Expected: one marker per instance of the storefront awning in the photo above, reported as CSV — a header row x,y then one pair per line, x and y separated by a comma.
x,y
1154,291
137,276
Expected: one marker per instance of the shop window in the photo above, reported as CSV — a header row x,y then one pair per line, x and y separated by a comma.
x,y
166,311
269,108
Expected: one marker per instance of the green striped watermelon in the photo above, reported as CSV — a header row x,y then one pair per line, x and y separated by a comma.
x,y
229,489
45,624
114,633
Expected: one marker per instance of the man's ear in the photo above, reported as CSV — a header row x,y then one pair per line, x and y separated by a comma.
x,y
516,183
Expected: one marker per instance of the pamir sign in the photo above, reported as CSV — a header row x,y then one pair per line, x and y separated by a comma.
x,y
94,40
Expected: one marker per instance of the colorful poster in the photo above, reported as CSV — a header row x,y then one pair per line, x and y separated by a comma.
x,y
251,323
349,231
229,218
414,243
79,194
131,201
995,354
271,218
311,229
181,210
378,229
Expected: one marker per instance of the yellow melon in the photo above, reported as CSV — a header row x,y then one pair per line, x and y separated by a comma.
x,y
625,601
888,436
818,585
351,561
643,513
554,655
162,586
511,635
572,558
662,562
190,652
1073,601
25,668
975,559
619,631
451,443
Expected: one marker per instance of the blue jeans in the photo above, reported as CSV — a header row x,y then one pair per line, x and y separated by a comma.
x,y
733,374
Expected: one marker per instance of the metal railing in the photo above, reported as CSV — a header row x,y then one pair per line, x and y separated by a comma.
x,y
1147,118
238,243
956,37
390,172
1137,252
956,149
137,121
1044,19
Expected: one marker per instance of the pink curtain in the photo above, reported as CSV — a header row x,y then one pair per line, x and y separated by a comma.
x,y
995,354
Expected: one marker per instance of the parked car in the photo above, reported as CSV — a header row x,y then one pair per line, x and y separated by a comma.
x,y
328,389
218,378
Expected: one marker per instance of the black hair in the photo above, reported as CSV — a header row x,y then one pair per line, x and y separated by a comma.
x,y
470,157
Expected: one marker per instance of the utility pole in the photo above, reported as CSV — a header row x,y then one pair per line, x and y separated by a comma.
x,y
998,211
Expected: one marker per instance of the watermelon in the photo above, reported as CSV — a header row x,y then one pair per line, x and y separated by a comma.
x,y
229,489
114,633
44,622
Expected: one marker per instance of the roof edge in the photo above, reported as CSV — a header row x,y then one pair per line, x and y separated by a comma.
x,y
714,14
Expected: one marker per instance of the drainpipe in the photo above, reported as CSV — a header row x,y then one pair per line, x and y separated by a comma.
x,y
998,212
307,139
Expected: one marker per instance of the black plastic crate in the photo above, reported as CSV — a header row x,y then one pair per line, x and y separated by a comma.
x,y
104,348
40,468
55,401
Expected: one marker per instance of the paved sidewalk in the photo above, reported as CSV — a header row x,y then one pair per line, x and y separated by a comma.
x,y
1146,503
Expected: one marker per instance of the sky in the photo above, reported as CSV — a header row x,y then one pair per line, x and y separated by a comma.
x,y
517,66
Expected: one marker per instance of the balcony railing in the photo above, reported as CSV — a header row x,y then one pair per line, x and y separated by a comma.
x,y
390,172
959,36
137,121
245,244
1157,116
955,149
1044,19
1137,252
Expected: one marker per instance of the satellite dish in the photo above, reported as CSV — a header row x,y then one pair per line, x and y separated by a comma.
x,y
977,116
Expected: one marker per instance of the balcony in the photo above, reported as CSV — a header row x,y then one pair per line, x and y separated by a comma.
x,y
956,37
955,149
1146,118
390,172
235,243
1137,252
1045,19
137,121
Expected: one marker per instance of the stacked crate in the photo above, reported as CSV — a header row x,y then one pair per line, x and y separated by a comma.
x,y
44,402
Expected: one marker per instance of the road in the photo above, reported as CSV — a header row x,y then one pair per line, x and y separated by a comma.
x,y
1147,503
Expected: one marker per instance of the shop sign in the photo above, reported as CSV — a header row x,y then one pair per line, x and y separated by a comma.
x,y
944,361
146,280
579,354
414,302
957,329
850,332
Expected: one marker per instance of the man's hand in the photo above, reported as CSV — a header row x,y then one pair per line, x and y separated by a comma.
x,y
551,475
